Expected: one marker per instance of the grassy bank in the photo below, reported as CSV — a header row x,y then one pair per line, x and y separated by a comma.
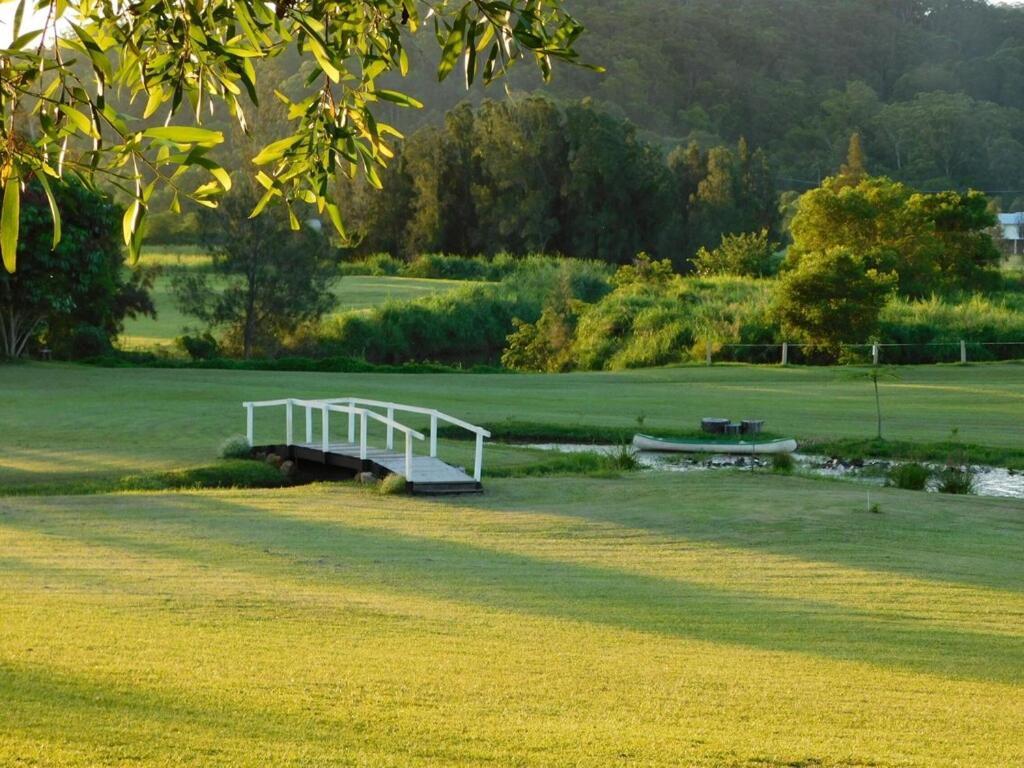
x,y
709,621
66,421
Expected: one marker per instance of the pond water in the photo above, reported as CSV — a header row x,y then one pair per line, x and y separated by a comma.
x,y
988,481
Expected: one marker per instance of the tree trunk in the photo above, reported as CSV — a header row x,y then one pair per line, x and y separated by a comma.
x,y
16,332
249,334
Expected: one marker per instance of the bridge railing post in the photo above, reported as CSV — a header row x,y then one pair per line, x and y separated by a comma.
x,y
362,435
433,435
478,463
309,424
391,428
351,424
325,429
289,431
408,457
249,426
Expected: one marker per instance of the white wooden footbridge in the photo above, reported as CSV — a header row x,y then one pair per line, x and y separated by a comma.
x,y
354,453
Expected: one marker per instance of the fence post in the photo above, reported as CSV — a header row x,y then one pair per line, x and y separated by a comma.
x,y
325,428
249,424
289,432
874,353
785,353
708,350
963,352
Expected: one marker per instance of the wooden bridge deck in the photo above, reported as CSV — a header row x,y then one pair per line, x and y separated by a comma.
x,y
430,474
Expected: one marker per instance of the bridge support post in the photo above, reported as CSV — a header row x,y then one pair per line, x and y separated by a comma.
x,y
362,435
325,430
249,431
289,430
391,428
433,434
478,464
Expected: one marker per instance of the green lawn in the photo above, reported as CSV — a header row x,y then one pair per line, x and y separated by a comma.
x,y
73,420
717,620
720,619
355,292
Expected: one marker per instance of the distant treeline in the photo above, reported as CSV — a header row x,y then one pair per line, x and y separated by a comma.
x,y
529,176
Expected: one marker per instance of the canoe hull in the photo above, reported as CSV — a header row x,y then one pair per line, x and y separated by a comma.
x,y
649,443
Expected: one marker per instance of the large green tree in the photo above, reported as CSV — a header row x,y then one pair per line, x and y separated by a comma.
x,y
933,242
832,297
72,298
266,280
180,60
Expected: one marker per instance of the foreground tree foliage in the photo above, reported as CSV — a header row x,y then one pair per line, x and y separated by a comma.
x,y
75,297
181,61
266,279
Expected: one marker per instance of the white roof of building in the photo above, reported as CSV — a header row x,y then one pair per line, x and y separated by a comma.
x,y
1012,218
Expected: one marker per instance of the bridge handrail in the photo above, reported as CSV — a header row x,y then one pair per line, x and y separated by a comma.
x,y
435,416
359,412
353,406
441,416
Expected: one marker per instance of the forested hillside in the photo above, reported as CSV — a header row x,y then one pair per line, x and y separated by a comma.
x,y
935,88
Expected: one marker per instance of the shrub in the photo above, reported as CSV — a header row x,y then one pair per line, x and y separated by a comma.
x,y
623,458
910,477
441,267
392,485
384,265
749,254
956,480
201,347
235,447
85,341
782,463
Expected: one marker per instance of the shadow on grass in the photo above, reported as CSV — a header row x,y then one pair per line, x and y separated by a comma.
x,y
262,542
927,536
32,693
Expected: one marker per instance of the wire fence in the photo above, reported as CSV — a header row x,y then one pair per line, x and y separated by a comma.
x,y
876,353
